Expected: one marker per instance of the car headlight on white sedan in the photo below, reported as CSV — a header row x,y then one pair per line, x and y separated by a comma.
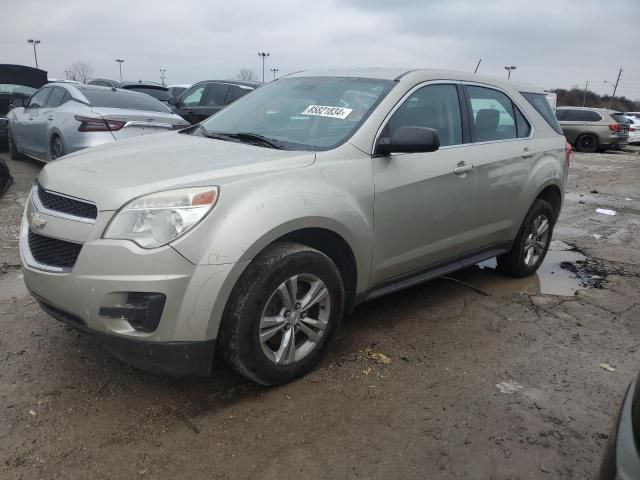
x,y
157,219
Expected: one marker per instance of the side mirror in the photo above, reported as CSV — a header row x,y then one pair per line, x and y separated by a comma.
x,y
410,139
17,102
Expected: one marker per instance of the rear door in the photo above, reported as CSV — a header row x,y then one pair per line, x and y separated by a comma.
x,y
503,153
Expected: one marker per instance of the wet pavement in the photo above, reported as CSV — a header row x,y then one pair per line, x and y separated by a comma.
x,y
440,381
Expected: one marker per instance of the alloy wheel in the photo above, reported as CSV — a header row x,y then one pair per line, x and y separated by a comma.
x,y
537,240
295,319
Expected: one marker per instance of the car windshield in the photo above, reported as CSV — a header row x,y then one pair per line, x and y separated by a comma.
x,y
159,93
120,99
11,89
301,113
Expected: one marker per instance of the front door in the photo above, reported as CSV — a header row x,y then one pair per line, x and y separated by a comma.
x,y
423,201
25,135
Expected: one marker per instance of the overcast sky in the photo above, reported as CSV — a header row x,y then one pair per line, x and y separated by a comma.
x,y
553,43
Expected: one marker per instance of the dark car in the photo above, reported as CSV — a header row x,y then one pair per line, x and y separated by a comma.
x,y
622,456
205,98
157,91
17,82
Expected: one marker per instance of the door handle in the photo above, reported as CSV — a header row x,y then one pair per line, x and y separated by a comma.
x,y
30,118
462,168
50,117
526,153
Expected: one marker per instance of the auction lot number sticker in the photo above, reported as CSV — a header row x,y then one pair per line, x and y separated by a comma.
x,y
327,111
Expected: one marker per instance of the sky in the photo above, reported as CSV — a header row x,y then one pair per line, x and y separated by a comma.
x,y
553,43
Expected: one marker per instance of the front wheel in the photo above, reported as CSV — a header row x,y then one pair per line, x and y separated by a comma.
x,y
57,147
532,243
281,314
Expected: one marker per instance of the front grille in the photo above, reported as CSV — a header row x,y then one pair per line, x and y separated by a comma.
x,y
53,252
67,205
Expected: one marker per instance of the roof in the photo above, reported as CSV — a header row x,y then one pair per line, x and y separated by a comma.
x,y
417,75
244,83
605,110
141,83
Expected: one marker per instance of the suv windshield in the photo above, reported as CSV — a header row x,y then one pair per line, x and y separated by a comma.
x,y
120,99
302,113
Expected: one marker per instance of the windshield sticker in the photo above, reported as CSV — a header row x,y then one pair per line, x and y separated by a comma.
x,y
325,111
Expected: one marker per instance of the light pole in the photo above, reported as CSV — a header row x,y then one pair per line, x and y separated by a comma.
x,y
120,62
264,55
162,76
586,89
275,71
35,54
509,70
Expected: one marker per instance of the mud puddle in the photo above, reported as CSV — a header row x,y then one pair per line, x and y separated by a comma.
x,y
563,272
12,285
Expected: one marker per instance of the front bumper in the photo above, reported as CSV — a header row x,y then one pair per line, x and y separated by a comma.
x,y
107,272
621,459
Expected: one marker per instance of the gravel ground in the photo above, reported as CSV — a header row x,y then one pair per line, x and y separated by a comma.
x,y
435,382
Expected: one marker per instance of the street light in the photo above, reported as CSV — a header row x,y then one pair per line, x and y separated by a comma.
x,y
263,55
509,70
34,43
274,70
120,62
162,76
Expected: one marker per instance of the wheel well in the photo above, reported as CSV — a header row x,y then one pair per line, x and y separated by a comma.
x,y
337,249
552,195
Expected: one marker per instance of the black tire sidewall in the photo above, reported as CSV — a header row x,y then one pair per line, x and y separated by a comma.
x,y
51,147
584,135
14,154
241,323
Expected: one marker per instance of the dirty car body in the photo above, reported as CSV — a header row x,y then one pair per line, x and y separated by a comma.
x,y
351,185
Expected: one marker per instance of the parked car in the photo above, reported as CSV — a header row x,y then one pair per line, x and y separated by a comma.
x,y
157,91
204,99
593,129
62,118
633,114
177,90
254,231
634,129
105,82
621,459
16,82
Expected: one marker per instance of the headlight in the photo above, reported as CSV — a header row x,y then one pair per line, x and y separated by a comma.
x,y
157,219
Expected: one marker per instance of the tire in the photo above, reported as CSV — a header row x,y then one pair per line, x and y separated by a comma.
x,y
587,143
14,154
529,248
258,305
56,147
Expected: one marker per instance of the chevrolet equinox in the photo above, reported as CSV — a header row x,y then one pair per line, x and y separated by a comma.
x,y
255,231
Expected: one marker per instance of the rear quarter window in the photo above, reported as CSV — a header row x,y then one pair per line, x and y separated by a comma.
x,y
541,104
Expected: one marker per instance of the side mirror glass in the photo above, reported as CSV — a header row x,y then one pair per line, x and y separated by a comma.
x,y
409,139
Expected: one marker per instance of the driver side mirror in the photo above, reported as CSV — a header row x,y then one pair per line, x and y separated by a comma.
x,y
18,101
409,139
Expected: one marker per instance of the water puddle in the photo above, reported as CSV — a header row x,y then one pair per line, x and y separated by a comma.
x,y
563,272
12,285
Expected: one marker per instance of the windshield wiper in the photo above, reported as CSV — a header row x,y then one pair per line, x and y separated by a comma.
x,y
244,137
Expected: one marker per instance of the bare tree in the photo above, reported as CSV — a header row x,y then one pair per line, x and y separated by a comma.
x,y
246,74
80,71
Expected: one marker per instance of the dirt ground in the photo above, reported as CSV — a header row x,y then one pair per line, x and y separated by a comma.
x,y
436,382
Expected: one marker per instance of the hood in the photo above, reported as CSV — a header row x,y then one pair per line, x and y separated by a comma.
x,y
22,75
113,174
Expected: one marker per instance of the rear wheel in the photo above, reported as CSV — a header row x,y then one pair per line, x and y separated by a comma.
x,y
531,244
587,143
56,149
281,314
14,154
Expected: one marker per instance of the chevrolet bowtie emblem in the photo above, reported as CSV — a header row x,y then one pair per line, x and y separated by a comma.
x,y
36,222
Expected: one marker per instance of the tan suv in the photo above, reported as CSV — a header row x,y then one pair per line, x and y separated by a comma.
x,y
592,129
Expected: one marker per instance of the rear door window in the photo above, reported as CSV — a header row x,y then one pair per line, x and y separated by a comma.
x,y
432,106
493,115
591,116
620,118
56,97
235,92
214,95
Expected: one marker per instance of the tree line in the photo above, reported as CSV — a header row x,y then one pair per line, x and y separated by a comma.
x,y
576,97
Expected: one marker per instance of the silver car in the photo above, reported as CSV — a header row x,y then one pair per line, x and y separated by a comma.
x,y
255,231
62,118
